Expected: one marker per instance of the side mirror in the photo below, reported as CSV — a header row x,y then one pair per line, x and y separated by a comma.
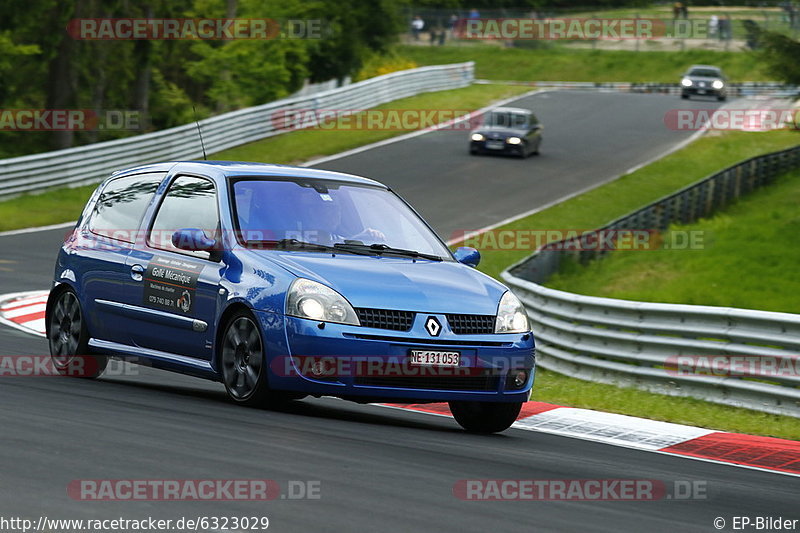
x,y
192,240
468,256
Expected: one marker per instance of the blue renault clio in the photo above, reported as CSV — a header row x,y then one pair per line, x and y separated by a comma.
x,y
283,282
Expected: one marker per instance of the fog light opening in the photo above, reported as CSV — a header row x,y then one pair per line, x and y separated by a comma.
x,y
520,378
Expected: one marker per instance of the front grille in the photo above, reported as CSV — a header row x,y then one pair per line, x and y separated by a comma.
x,y
471,324
425,341
386,319
454,383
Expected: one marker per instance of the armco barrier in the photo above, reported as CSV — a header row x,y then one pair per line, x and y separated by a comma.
x,y
640,343
91,163
737,89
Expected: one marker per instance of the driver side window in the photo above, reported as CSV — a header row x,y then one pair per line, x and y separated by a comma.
x,y
190,202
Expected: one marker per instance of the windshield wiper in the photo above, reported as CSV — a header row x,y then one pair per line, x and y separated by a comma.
x,y
383,248
285,244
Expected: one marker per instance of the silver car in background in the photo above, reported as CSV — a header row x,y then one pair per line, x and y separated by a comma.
x,y
704,80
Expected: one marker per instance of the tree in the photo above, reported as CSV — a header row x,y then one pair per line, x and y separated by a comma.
x,y
780,54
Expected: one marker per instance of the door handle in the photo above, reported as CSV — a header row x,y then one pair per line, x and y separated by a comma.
x,y
137,272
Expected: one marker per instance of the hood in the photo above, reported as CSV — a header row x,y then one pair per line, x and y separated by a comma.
x,y
398,282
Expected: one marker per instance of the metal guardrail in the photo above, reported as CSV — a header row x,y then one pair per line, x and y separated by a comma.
x,y
667,348
93,162
745,88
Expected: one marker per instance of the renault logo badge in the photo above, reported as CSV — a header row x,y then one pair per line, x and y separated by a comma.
x,y
433,326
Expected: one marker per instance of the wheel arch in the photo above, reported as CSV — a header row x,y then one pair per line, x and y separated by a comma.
x,y
55,292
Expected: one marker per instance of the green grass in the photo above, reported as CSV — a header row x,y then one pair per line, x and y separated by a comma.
x,y
705,156
65,204
561,64
555,388
753,238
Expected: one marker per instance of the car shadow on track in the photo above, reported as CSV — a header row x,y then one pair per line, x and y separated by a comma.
x,y
320,408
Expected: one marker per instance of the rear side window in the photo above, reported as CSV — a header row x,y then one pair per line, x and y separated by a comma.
x,y
121,206
190,202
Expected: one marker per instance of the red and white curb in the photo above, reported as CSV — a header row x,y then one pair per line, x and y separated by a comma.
x,y
24,311
747,451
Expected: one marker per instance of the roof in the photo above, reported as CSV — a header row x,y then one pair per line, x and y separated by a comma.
x,y
243,168
519,110
704,66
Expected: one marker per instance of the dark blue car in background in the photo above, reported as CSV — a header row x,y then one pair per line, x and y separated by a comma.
x,y
283,282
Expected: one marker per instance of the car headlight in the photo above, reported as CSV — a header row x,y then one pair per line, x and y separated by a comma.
x,y
686,82
511,315
513,140
315,301
477,137
718,84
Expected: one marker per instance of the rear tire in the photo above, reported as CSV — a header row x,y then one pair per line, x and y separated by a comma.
x,y
485,417
68,338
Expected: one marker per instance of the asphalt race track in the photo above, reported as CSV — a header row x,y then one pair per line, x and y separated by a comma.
x,y
378,469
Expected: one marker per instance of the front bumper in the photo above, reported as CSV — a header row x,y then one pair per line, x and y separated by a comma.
x,y
508,149
702,91
371,364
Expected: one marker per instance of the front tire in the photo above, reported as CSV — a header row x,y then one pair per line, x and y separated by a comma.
x,y
242,361
485,417
68,338
243,364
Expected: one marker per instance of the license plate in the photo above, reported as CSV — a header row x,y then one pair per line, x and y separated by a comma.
x,y
494,145
701,91
434,358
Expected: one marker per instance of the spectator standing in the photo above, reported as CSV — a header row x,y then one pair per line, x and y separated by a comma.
x,y
451,25
725,25
417,26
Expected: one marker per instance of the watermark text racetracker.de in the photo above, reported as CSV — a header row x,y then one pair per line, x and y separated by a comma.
x,y
70,120
209,490
577,29
194,523
209,29
579,490
732,119
735,366
376,119
582,239
15,366
494,239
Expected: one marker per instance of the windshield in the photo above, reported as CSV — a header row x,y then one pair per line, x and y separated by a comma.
x,y
505,119
329,213
705,73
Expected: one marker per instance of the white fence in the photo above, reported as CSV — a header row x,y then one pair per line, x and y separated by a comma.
x,y
92,163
